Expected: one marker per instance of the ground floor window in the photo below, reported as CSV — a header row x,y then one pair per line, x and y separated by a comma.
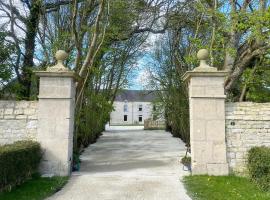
x,y
140,118
125,118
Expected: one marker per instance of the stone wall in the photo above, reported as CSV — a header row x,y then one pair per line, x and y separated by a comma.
x,y
150,124
18,121
247,125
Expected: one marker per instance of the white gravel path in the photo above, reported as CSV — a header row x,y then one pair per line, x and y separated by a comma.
x,y
129,165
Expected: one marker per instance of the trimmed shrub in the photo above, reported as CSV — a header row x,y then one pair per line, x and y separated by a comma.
x,y
18,161
259,166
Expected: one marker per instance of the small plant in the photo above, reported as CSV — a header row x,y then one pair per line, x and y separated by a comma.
x,y
186,160
259,166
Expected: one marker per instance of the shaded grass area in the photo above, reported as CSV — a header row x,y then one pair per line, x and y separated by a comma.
x,y
37,188
223,188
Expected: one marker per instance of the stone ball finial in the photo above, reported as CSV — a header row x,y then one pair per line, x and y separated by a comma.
x,y
203,54
61,55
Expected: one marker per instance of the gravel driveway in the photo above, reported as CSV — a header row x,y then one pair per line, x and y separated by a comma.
x,y
129,165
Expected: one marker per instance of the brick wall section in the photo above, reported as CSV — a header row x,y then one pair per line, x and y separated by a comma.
x,y
247,125
18,121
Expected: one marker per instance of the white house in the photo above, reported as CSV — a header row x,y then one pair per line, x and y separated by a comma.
x,y
132,107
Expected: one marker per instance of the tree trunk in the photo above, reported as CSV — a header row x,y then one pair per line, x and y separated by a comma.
x,y
29,43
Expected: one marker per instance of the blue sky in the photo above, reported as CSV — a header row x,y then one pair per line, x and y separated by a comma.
x,y
138,79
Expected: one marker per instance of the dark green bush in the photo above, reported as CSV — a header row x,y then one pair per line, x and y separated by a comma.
x,y
18,161
259,166
91,119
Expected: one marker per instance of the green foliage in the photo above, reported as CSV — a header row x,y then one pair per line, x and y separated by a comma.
x,y
223,188
259,166
172,91
186,160
92,118
5,51
258,84
37,188
177,112
18,162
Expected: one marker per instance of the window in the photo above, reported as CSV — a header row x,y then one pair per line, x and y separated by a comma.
x,y
140,118
140,107
125,108
125,118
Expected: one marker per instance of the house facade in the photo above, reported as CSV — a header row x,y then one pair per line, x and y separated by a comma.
x,y
132,107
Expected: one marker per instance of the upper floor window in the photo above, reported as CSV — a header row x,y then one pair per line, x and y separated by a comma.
x,y
125,108
140,107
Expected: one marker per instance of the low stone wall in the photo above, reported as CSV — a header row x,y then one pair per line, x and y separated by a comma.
x,y
18,121
153,125
247,125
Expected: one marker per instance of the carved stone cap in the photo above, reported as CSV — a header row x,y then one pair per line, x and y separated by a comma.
x,y
67,74
194,73
203,55
60,56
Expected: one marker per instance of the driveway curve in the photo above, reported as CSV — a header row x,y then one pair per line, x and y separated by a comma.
x,y
129,165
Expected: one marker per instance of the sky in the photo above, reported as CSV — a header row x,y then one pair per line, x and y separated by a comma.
x,y
141,75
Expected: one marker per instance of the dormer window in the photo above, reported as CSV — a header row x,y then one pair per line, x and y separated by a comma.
x,y
140,107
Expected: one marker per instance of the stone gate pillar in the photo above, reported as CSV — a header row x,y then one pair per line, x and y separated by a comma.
x,y
207,118
56,117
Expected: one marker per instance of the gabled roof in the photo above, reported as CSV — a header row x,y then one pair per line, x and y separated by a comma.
x,y
136,95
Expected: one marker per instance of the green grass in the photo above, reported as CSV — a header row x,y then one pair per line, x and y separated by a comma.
x,y
37,188
223,188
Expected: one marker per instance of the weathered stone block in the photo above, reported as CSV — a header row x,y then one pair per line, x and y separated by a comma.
x,y
215,130
29,111
199,169
21,117
8,111
217,169
199,128
18,111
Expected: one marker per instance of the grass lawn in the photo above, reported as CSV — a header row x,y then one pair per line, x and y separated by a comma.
x,y
35,189
223,188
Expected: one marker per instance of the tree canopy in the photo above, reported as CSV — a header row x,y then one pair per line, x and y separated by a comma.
x,y
105,39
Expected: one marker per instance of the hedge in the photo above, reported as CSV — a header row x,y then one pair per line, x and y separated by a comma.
x,y
259,166
18,161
